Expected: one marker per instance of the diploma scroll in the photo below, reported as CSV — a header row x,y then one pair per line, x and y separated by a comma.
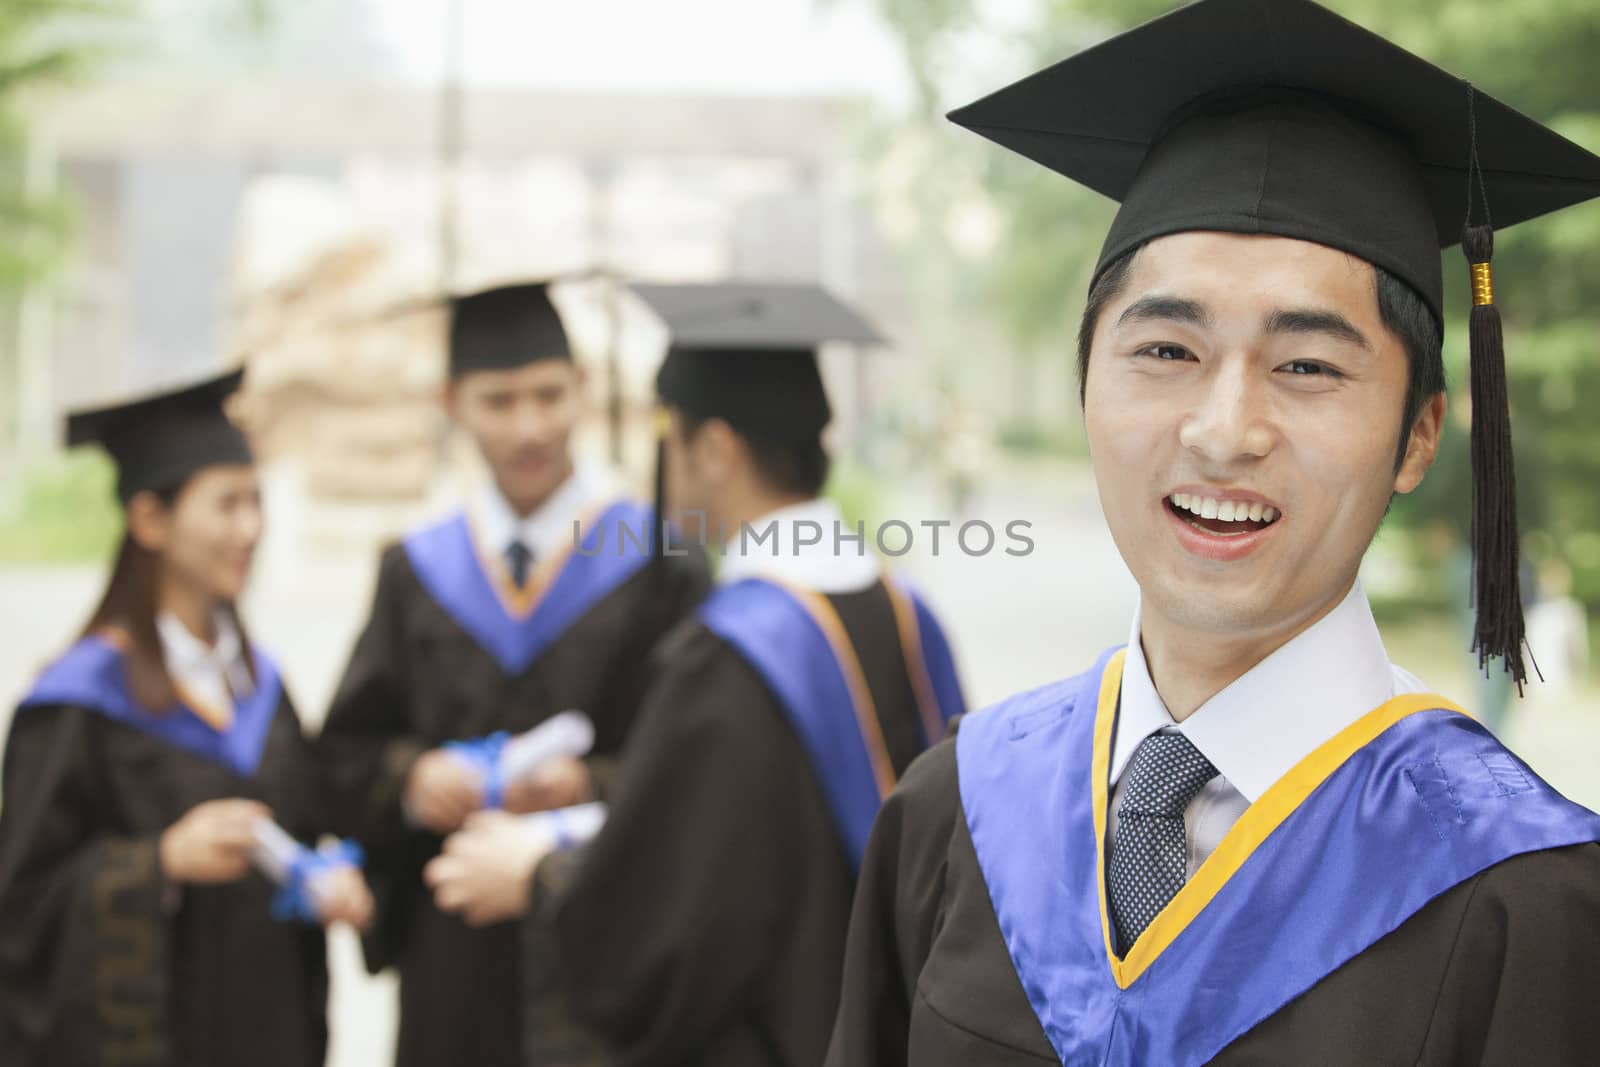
x,y
275,852
297,870
568,734
569,828
503,759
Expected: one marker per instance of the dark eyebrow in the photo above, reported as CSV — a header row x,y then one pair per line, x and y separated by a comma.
x,y
1167,308
1310,320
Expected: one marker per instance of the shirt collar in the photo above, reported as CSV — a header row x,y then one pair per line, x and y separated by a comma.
x,y
197,666
549,528
770,547
1278,712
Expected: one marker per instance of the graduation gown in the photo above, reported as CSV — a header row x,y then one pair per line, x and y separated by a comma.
x,y
449,654
1446,912
102,962
705,924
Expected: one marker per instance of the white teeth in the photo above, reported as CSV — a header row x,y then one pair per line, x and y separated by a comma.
x,y
1225,510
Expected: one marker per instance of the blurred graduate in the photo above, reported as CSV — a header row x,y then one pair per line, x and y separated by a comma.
x,y
1248,837
141,772
705,923
491,621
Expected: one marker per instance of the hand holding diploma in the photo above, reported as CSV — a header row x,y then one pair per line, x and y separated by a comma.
x,y
211,844
485,872
533,771
344,897
442,790
560,782
321,886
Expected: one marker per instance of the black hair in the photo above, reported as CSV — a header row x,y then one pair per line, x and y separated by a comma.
x,y
794,465
1401,309
127,614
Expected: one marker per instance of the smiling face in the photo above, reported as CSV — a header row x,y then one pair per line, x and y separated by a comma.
x,y
206,538
1243,402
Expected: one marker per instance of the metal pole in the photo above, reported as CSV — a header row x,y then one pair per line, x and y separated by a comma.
x,y
450,147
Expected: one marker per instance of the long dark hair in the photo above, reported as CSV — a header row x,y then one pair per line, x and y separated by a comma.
x,y
127,614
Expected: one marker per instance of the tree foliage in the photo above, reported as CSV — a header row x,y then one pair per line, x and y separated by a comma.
x,y
38,48
46,44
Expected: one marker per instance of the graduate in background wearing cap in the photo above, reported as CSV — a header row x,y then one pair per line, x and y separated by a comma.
x,y
705,924
486,622
1247,837
136,772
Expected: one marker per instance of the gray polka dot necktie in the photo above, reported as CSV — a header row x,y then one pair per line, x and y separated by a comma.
x,y
519,558
1149,854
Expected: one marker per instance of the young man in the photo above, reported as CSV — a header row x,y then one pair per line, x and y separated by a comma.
x,y
706,922
486,622
1248,838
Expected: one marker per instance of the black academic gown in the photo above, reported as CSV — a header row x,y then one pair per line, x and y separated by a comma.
x,y
705,925
416,680
105,964
1502,969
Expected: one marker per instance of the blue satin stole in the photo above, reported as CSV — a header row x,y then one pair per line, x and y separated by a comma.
x,y
92,675
796,643
1407,802
515,626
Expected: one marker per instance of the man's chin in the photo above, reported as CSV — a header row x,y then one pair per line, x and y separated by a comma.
x,y
530,486
1222,607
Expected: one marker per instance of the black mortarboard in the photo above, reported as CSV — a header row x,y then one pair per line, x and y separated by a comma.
x,y
748,353
504,328
1280,117
159,440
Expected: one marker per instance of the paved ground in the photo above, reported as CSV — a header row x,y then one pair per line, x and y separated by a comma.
x,y
1016,623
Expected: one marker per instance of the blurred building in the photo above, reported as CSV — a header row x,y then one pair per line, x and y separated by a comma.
x,y
303,223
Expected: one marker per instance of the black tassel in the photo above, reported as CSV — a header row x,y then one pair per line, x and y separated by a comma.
x,y
1496,546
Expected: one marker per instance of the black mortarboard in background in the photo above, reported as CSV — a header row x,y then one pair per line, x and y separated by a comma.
x,y
505,328
159,440
1280,117
748,353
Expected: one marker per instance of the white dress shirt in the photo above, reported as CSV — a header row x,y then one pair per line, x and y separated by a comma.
x,y
547,531
771,547
214,675
1267,720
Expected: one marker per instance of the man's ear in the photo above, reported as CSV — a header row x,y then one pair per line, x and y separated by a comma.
x,y
1423,445
718,451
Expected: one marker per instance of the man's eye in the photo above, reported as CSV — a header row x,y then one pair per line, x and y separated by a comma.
x,y
1307,368
1167,353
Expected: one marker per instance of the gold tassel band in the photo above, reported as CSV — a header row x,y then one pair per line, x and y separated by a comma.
x,y
1482,285
661,422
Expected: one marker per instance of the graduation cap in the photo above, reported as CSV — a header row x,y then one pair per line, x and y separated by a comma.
x,y
1280,117
159,440
504,328
748,353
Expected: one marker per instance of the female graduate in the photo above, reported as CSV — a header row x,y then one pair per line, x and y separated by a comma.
x,y
144,771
